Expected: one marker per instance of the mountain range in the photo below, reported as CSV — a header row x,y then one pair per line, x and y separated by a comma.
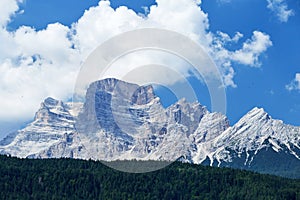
x,y
124,121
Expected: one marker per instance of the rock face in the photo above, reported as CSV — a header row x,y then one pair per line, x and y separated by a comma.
x,y
53,121
120,120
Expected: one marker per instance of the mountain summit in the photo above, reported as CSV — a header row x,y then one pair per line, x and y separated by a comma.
x,y
120,120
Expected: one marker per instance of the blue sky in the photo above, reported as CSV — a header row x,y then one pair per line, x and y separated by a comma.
x,y
265,86
267,79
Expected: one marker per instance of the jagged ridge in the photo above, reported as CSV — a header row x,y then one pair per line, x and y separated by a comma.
x,y
120,120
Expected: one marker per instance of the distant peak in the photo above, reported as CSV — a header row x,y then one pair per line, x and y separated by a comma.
x,y
51,101
257,113
109,85
257,110
121,89
143,95
182,100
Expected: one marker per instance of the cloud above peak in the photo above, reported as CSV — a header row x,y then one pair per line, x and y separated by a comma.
x,y
36,64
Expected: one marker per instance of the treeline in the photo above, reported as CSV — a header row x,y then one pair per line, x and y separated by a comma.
x,y
79,179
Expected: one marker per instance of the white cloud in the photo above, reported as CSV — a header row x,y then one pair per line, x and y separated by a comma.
x,y
294,84
248,55
225,38
280,9
36,64
228,75
101,23
7,9
252,49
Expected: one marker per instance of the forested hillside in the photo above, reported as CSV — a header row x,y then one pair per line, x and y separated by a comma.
x,y
78,179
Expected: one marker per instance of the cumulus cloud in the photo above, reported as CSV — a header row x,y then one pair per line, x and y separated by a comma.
x,y
248,55
294,84
280,9
101,22
252,49
43,64
7,9
225,38
36,64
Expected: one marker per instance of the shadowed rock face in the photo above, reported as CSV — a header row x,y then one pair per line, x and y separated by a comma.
x,y
143,95
52,110
51,123
120,120
109,103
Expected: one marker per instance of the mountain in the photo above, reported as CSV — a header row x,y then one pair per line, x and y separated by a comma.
x,y
53,122
260,143
120,120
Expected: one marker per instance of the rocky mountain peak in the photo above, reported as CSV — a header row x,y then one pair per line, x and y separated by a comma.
x,y
52,109
120,89
143,95
115,105
120,120
50,102
256,111
255,116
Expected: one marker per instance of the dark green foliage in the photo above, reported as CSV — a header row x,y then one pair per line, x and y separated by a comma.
x,y
78,179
